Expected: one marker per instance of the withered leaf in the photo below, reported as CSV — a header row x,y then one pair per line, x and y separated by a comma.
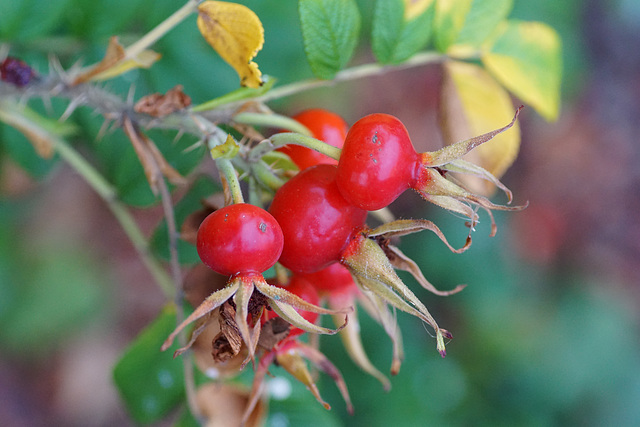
x,y
160,105
236,33
154,164
273,331
116,62
228,342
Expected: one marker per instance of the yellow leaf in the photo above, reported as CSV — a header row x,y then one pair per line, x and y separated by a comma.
x,y
144,59
115,62
236,33
413,8
474,103
526,58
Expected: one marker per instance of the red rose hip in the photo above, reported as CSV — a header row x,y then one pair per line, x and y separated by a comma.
x,y
239,238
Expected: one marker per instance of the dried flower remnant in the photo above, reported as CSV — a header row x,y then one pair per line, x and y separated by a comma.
x,y
16,72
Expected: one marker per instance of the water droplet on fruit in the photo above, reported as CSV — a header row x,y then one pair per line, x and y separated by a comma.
x,y
263,227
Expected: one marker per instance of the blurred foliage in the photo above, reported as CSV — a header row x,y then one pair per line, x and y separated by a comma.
x,y
532,346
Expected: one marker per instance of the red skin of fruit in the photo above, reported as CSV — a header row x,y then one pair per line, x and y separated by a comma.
x,y
335,278
301,287
239,239
325,126
378,162
317,222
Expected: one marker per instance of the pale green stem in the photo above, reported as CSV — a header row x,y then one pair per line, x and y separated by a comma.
x,y
281,139
352,73
266,176
271,120
161,29
228,172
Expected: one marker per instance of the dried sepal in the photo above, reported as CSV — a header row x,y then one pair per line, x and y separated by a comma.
x,y
282,296
241,300
257,386
160,105
228,342
463,166
208,352
457,150
225,405
291,315
403,227
372,271
445,193
273,331
154,164
402,262
379,311
321,361
352,342
212,302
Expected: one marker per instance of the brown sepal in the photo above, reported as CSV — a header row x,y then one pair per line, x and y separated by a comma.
x,y
160,105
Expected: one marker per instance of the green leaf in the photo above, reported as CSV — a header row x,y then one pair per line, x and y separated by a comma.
x,y
526,58
47,295
465,24
330,31
202,188
151,382
396,37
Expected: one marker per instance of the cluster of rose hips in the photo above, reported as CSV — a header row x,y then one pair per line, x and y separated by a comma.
x,y
315,229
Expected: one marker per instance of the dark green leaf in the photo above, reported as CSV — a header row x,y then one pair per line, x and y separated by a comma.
x,y
151,382
394,38
202,188
330,31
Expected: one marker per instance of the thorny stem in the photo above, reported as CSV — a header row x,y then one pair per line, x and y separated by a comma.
x,y
353,73
271,120
100,186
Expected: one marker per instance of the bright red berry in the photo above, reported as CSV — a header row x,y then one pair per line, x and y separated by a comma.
x,y
378,162
335,278
317,222
239,238
325,126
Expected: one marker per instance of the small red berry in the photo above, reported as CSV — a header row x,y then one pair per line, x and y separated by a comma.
x,y
239,238
317,222
325,126
378,162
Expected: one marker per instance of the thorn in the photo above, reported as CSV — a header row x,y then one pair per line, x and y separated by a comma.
x,y
104,128
178,135
192,147
131,94
75,103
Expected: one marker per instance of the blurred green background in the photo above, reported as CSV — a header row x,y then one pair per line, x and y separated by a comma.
x,y
546,333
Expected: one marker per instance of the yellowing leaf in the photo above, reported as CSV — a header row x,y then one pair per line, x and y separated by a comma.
x,y
526,58
413,8
144,59
474,103
236,33
116,61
